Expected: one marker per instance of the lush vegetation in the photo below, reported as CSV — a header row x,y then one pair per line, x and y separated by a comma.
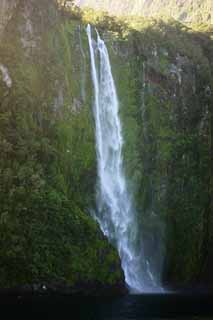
x,y
164,76
163,73
190,11
47,158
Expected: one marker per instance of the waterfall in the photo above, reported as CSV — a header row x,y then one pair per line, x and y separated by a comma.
x,y
115,211
5,76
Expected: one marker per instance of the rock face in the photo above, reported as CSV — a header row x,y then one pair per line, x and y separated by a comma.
x,y
47,157
163,74
167,107
188,11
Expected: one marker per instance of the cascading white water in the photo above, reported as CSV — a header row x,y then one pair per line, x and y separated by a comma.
x,y
115,211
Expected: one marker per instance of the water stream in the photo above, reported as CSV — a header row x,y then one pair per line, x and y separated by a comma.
x,y
115,211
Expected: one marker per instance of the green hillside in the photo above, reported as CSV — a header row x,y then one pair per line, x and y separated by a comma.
x,y
188,11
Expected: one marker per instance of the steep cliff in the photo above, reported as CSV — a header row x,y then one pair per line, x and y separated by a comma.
x,y
163,74
47,155
164,78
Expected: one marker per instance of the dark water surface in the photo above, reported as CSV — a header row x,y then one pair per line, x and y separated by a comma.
x,y
187,306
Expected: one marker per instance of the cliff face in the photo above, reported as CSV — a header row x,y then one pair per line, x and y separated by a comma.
x,y
164,79
163,73
47,155
187,11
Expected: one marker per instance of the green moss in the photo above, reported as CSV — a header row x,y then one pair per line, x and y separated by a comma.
x,y
48,160
166,154
47,147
